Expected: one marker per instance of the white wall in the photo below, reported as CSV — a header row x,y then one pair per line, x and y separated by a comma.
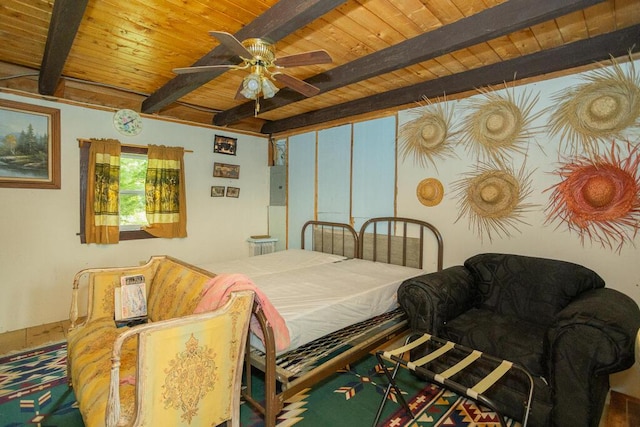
x,y
40,251
621,271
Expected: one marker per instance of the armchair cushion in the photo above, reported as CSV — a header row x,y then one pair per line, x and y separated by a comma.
x,y
533,289
510,337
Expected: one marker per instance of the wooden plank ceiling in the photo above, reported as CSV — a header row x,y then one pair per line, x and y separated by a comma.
x,y
386,54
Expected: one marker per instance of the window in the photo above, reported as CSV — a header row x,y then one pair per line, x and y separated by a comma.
x,y
133,169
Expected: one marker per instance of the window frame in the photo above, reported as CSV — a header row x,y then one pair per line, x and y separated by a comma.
x,y
84,170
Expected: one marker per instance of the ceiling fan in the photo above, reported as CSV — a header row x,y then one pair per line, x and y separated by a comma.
x,y
259,55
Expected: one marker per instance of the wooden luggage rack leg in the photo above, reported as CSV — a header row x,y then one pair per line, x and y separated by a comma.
x,y
475,393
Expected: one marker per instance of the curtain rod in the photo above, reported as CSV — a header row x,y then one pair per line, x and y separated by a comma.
x,y
82,141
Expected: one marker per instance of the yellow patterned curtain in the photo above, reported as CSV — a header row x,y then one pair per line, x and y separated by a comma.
x,y
102,224
165,192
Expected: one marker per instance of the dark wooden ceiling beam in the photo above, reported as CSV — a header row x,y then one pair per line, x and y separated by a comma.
x,y
489,24
284,18
583,52
65,21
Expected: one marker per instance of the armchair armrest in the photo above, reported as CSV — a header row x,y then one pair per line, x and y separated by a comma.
x,y
591,338
433,299
612,316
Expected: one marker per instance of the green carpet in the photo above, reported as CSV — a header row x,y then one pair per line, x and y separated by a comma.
x,y
33,389
33,392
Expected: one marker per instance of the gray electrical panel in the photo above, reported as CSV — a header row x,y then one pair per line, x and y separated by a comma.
x,y
278,183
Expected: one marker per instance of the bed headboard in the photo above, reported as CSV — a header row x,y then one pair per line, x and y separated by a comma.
x,y
401,241
330,237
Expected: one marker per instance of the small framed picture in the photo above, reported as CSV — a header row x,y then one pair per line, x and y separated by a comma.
x,y
225,145
217,191
224,170
233,192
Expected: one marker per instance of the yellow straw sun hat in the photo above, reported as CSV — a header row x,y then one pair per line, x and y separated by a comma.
x,y
430,192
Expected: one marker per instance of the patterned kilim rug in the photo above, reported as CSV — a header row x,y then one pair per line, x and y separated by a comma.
x,y
34,392
33,389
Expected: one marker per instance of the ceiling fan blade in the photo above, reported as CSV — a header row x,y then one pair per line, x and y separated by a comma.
x,y
231,43
296,84
201,68
239,96
306,58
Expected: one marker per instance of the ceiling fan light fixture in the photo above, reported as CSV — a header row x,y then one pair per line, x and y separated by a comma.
x,y
268,88
251,86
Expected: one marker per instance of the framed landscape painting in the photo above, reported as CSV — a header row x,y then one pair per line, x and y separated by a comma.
x,y
29,146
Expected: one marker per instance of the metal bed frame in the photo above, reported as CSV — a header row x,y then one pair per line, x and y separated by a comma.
x,y
284,376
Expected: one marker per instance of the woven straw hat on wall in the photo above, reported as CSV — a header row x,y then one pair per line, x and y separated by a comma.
x,y
493,199
499,125
428,137
591,114
599,198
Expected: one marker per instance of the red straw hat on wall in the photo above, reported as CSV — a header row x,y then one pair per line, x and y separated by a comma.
x,y
600,198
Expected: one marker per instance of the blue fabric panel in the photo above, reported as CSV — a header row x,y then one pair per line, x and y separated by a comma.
x,y
334,174
373,169
301,184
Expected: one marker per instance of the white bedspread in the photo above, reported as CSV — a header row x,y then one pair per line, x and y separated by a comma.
x,y
321,299
272,263
318,293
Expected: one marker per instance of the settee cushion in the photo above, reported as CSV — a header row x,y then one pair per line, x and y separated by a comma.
x,y
533,289
89,352
503,336
175,290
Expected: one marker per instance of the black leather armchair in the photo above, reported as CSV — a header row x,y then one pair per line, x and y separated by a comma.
x,y
555,318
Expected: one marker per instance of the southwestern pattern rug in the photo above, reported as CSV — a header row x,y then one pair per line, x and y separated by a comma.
x,y
33,389
34,392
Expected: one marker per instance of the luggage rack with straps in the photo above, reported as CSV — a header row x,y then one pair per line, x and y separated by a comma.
x,y
457,358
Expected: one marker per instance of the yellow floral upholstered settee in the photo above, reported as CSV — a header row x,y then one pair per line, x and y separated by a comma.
x,y
177,369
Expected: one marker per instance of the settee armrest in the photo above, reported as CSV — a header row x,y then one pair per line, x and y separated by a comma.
x,y
433,299
100,284
193,364
591,338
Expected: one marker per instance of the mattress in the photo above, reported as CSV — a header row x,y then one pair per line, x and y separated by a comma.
x,y
272,263
317,293
317,300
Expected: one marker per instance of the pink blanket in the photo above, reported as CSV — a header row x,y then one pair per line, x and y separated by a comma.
x,y
216,293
